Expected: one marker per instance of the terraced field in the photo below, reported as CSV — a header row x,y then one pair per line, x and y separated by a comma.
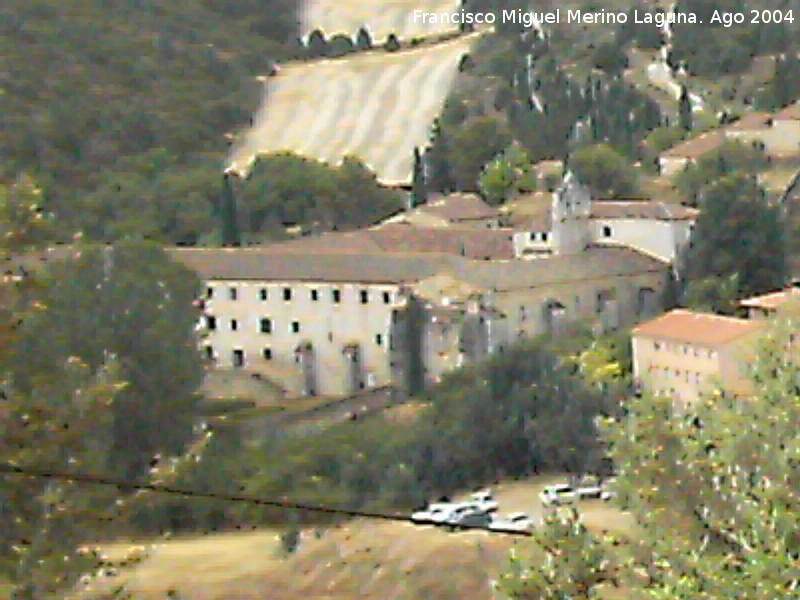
x,y
376,105
380,18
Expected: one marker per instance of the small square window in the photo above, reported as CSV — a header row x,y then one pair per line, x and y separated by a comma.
x,y
387,297
295,326
314,295
364,296
263,294
234,325
337,296
606,231
265,326
287,293
267,353
233,293
379,340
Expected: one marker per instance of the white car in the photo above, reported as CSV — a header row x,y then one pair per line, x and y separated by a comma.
x,y
484,500
435,513
469,515
513,522
594,492
555,495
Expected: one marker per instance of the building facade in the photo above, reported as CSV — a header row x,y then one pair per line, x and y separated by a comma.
x,y
685,354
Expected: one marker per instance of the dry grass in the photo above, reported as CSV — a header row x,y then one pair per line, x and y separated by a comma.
x,y
366,559
375,105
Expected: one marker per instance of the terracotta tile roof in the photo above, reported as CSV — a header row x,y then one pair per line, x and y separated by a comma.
x,y
697,328
268,265
457,207
479,244
772,301
609,209
751,122
789,113
696,146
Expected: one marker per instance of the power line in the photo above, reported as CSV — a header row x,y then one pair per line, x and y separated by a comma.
x,y
87,479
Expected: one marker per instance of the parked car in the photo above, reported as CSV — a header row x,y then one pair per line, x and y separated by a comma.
x,y
513,522
469,516
485,500
555,495
594,491
434,513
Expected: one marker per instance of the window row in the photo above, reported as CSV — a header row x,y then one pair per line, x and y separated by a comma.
x,y
238,355
688,376
685,350
287,294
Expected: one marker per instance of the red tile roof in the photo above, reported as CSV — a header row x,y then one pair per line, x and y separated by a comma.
x,y
697,328
773,300
458,207
789,113
642,209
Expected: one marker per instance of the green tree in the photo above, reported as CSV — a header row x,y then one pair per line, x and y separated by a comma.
x,y
316,44
730,158
473,145
392,44
339,45
605,171
738,232
610,57
228,214
712,489
419,188
686,116
130,304
364,39
507,175
569,563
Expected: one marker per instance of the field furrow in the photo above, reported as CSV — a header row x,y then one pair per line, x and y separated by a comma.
x,y
376,105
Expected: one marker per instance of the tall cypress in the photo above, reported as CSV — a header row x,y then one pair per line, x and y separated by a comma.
x,y
230,224
686,116
419,188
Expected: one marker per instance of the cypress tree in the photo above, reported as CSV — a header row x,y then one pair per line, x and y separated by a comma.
x,y
686,117
317,45
364,39
230,225
392,43
419,188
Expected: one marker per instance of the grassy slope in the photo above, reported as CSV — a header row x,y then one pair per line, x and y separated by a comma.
x,y
358,559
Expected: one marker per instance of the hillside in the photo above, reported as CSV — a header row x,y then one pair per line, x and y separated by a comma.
x,y
118,108
365,559
377,105
380,18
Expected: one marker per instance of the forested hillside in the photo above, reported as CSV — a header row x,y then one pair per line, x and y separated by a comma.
x,y
119,107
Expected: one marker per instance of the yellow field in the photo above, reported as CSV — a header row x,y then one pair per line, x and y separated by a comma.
x,y
375,105
380,18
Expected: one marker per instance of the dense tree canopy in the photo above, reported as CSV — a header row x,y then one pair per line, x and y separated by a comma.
x,y
738,232
604,171
120,107
712,489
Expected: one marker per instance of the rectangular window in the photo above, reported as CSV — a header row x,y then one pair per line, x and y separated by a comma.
x,y
262,294
337,296
233,293
210,352
212,323
379,340
387,297
234,325
238,358
532,236
545,236
287,294
265,326
209,292
314,295
364,296
267,353
295,326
